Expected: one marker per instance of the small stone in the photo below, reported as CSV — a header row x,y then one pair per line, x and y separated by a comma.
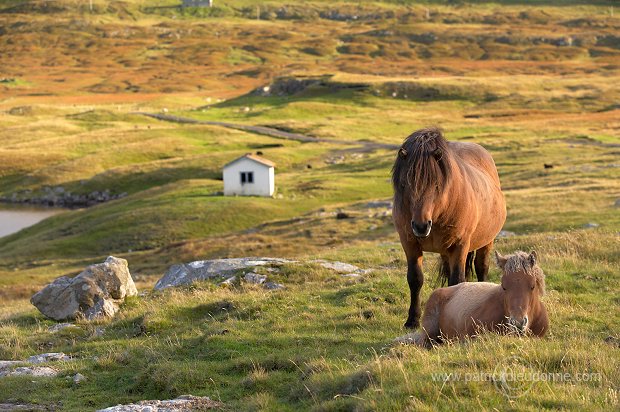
x,y
591,225
255,278
12,407
351,275
229,282
7,364
337,266
273,286
407,339
505,233
48,357
379,204
617,203
60,326
78,378
342,215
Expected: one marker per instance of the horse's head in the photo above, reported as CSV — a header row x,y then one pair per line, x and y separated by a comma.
x,y
419,176
523,282
422,210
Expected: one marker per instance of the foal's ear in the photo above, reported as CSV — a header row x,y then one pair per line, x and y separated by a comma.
x,y
533,257
500,260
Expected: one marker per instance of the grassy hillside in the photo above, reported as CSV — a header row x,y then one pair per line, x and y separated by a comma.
x,y
533,82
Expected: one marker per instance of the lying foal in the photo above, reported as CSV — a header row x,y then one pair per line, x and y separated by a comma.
x,y
462,310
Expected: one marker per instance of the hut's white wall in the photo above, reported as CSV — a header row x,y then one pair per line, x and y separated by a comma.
x,y
264,179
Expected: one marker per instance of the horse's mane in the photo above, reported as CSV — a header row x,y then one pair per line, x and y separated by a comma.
x,y
422,164
521,260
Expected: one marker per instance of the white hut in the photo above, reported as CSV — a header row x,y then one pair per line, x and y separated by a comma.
x,y
249,175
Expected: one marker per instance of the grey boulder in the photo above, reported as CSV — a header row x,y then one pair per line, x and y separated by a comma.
x,y
94,293
48,357
187,273
255,278
340,267
273,286
35,371
182,403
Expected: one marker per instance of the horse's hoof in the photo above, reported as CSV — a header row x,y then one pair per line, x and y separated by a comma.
x,y
410,324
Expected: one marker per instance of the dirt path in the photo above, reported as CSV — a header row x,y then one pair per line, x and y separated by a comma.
x,y
268,131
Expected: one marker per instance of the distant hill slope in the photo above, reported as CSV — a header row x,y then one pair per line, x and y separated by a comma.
x,y
129,47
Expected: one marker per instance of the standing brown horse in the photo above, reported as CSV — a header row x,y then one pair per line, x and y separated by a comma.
x,y
467,308
447,199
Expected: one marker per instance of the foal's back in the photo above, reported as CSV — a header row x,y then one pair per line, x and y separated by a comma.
x,y
468,306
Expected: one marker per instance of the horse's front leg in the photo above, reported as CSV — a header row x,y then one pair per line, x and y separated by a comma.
x,y
415,279
457,257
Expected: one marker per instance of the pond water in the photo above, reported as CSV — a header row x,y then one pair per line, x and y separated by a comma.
x,y
15,218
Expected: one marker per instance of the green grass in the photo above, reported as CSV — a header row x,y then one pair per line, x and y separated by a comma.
x,y
241,346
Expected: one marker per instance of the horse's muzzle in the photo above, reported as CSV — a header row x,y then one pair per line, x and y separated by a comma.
x,y
519,326
422,230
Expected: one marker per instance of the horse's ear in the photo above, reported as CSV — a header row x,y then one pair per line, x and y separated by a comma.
x,y
438,154
533,258
500,260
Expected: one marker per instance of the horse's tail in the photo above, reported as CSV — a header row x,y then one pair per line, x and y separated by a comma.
x,y
469,266
443,273
444,269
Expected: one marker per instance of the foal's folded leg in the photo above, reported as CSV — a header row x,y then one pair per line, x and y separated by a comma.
x,y
429,332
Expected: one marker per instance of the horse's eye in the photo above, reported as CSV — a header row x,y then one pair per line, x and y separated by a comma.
x,y
532,287
503,287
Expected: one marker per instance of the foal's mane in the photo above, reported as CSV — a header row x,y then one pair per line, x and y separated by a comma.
x,y
422,164
521,261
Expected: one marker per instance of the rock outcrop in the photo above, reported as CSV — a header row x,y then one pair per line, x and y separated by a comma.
x,y
48,357
182,403
187,273
31,366
340,267
96,292
59,197
36,371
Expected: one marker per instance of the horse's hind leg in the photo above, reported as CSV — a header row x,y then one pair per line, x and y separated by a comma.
x,y
481,263
457,257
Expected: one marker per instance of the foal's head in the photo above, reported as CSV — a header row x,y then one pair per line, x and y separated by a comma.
x,y
523,282
420,174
